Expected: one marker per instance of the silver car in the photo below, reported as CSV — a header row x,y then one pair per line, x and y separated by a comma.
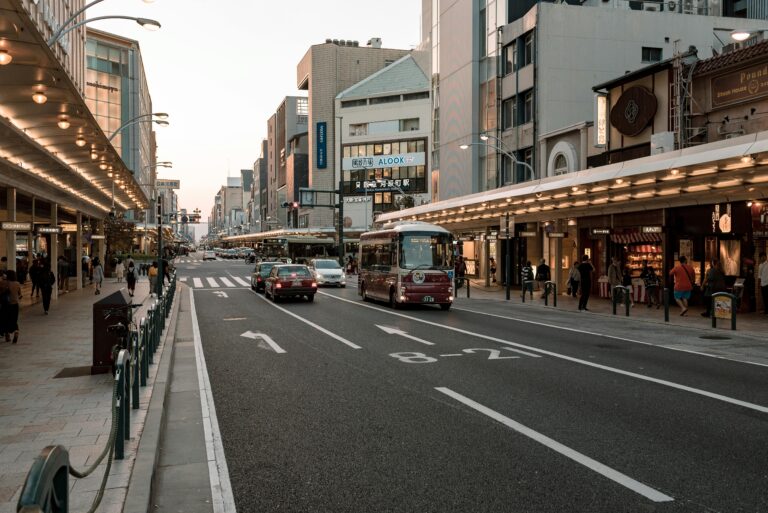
x,y
328,272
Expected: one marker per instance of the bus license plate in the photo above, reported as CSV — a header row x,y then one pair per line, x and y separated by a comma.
x,y
297,283
428,299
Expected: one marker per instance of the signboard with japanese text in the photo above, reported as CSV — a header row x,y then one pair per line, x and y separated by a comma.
x,y
383,185
321,134
13,225
382,161
166,183
723,307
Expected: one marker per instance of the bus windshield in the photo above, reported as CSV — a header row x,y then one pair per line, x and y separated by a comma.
x,y
425,251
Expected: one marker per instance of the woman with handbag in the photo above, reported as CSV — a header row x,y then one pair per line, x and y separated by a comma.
x,y
714,281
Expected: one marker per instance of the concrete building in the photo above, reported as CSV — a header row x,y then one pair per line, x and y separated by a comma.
x,y
326,70
259,199
385,127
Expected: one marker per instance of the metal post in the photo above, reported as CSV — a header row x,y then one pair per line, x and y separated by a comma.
x,y
122,412
665,291
626,300
507,261
136,368
613,299
160,269
341,188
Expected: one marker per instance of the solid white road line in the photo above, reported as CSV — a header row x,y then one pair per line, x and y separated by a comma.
x,y
212,282
612,337
197,282
596,466
221,487
241,281
309,323
226,282
711,395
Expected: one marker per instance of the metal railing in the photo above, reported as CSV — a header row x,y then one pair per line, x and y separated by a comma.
x,y
621,294
46,488
550,287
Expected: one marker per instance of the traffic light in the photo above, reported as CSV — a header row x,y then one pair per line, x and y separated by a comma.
x,y
285,204
291,205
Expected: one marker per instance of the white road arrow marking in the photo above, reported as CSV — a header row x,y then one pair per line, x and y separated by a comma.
x,y
220,293
395,331
265,338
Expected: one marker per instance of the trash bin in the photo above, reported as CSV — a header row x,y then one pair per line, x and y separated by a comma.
x,y
109,311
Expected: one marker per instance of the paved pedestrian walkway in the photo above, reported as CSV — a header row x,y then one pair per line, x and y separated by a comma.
x,y
40,405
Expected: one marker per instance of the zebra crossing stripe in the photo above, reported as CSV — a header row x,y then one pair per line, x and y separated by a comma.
x,y
226,282
183,278
241,281
197,282
212,282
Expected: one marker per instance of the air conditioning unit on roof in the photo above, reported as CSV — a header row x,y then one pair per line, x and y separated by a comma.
x,y
651,6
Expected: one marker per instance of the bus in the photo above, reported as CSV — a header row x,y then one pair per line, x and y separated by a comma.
x,y
299,249
407,262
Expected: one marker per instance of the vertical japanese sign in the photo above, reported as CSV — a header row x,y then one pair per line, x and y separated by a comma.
x,y
322,144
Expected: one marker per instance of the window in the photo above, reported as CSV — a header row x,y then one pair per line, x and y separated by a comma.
x,y
354,103
483,33
358,129
385,99
302,107
651,54
561,165
406,125
416,96
508,113
509,59
528,53
527,107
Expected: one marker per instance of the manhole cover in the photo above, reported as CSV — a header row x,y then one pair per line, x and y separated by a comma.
x,y
715,337
74,372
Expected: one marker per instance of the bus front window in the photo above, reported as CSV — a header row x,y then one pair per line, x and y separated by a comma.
x,y
425,251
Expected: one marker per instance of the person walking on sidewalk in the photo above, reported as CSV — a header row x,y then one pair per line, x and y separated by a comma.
x,y
651,281
461,271
35,273
543,274
714,281
98,274
626,282
762,280
10,293
152,272
119,270
527,276
130,277
585,271
683,275
84,267
492,265
46,280
574,277
62,269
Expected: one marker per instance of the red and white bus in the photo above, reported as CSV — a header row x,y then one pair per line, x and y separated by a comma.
x,y
407,262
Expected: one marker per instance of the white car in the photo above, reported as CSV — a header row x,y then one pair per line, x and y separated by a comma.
x,y
209,255
328,272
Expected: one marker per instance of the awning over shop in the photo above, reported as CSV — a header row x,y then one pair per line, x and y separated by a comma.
x,y
635,238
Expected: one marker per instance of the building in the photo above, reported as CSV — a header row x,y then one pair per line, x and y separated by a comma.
x,y
326,70
297,176
385,127
259,199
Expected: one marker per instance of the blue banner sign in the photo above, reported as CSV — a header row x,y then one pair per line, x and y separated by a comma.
x,y
322,144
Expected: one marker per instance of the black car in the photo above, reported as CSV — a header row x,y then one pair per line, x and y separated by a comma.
x,y
260,274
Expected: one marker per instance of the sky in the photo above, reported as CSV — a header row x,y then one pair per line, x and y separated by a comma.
x,y
221,68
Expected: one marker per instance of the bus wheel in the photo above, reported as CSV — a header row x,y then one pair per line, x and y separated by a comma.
x,y
445,307
392,300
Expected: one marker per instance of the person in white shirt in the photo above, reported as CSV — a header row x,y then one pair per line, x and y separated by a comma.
x,y
762,280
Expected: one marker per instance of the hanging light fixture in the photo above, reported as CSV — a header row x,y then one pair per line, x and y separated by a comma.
x,y
80,141
103,166
5,57
94,155
64,122
39,97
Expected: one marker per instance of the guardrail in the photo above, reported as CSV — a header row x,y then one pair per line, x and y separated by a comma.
x,y
620,294
46,488
550,287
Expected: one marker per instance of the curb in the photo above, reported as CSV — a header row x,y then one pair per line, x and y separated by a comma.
x,y
139,494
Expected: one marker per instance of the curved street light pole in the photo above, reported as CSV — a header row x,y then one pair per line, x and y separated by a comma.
x,y
144,22
162,121
503,152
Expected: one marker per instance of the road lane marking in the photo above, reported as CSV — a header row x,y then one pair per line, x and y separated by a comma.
x,y
197,282
218,472
394,331
234,318
596,466
212,282
241,281
220,293
226,282
451,355
612,337
183,279
310,323
698,391
265,338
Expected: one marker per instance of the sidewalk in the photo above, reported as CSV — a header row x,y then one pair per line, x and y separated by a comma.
x,y
37,408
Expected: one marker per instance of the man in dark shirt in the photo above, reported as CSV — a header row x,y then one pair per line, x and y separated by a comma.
x,y
543,274
585,271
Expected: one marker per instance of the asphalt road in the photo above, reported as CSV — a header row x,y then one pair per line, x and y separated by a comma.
x,y
346,406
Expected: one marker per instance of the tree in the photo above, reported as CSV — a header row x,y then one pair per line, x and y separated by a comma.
x,y
119,234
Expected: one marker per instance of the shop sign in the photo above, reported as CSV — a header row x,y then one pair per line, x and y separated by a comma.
x,y
322,143
14,226
97,237
380,161
723,307
601,120
721,220
382,185
601,231
651,229
634,110
557,235
167,183
68,227
48,229
357,199
528,234
466,237
737,86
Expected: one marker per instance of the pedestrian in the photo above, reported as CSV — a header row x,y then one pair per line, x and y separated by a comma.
x,y
614,274
85,264
574,277
460,267
543,274
119,270
46,282
651,281
130,278
492,265
714,281
585,271
22,269
62,270
527,276
10,293
762,280
3,264
35,272
98,274
152,272
626,282
683,275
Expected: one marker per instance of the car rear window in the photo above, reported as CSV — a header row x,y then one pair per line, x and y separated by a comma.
x,y
265,268
327,264
294,270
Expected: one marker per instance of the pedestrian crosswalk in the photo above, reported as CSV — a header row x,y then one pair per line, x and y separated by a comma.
x,y
217,282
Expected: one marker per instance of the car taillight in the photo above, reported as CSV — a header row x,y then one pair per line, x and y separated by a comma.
x,y
278,285
314,284
258,278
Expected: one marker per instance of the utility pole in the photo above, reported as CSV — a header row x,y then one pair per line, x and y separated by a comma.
x,y
340,131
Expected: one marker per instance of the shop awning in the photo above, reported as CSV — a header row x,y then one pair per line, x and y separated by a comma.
x,y
635,238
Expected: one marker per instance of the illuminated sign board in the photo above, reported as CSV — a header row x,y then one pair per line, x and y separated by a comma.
x,y
601,120
381,161
601,231
165,183
322,144
651,229
48,229
19,227
68,227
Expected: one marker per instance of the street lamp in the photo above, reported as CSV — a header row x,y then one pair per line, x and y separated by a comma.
x,y
64,28
503,152
162,120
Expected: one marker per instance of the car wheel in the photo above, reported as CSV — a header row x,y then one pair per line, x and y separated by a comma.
x,y
343,286
445,307
311,298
